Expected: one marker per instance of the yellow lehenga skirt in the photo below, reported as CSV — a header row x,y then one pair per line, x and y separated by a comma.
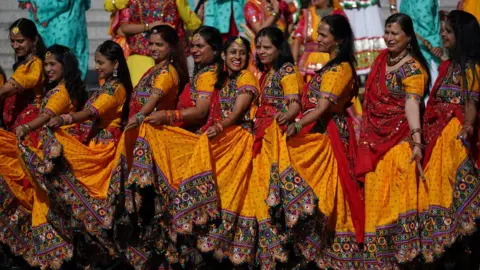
x,y
197,181
304,183
449,199
24,208
83,183
392,229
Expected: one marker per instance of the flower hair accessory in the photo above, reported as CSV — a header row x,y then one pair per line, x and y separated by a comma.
x,y
155,31
16,30
239,41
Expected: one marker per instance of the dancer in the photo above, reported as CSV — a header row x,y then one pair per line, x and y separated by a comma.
x,y
449,196
165,154
24,216
391,146
78,159
279,101
22,93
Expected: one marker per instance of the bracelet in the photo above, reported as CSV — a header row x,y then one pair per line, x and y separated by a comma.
x,y
393,7
298,127
67,119
419,145
468,128
172,117
140,117
415,130
145,28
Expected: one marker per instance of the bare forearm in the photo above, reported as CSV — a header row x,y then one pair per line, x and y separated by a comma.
x,y
38,122
296,48
470,112
412,113
241,106
133,28
82,116
293,110
322,107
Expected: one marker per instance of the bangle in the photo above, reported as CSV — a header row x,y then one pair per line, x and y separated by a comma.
x,y
468,128
145,28
67,119
298,127
393,7
140,117
415,130
419,145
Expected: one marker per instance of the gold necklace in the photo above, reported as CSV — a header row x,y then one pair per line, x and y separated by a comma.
x,y
396,60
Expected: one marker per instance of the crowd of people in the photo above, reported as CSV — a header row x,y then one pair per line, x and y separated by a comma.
x,y
262,158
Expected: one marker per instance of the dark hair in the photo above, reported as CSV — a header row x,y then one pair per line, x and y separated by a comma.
x,y
213,38
72,76
342,32
278,40
223,75
467,46
113,52
29,31
177,53
406,24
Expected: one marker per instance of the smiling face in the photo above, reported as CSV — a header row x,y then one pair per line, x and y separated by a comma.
x,y
159,49
202,53
104,67
22,45
236,57
395,38
448,37
326,41
53,69
266,51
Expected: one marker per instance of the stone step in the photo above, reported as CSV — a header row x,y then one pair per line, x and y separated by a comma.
x,y
96,30
93,16
13,5
6,49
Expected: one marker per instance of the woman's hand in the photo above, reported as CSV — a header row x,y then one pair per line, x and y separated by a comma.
x,y
156,118
417,154
132,122
212,132
55,122
291,130
282,118
21,131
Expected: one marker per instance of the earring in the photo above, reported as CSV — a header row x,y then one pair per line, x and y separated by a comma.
x,y
337,48
115,73
409,46
224,67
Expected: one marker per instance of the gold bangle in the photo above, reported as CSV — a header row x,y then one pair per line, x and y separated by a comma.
x,y
146,28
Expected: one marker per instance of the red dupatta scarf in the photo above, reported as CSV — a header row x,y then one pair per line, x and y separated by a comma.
x,y
384,123
439,114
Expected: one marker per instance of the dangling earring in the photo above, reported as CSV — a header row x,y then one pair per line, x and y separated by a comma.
x,y
115,73
337,48
409,46
224,66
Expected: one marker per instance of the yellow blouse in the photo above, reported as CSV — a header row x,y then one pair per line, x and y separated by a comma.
x,y
29,76
410,80
203,83
107,104
473,81
57,101
336,85
472,7
166,84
